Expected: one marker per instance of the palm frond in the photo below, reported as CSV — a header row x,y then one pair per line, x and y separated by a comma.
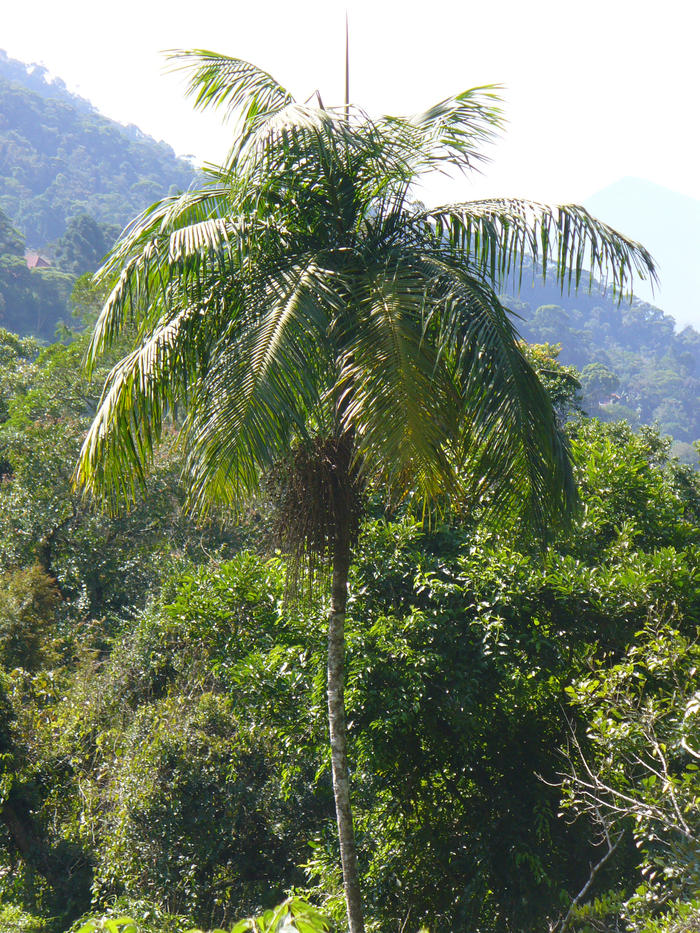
x,y
452,132
170,258
236,85
136,268
129,420
497,234
265,379
511,450
335,149
394,394
299,287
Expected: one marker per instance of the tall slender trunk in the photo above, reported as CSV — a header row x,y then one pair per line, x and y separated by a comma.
x,y
338,731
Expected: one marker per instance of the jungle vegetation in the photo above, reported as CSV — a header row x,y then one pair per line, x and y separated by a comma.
x,y
164,742
521,693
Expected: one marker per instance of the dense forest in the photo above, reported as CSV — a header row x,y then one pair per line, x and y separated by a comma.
x,y
60,158
32,301
164,741
634,365
522,688
70,179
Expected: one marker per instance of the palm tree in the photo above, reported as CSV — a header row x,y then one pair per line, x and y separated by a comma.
x,y
302,308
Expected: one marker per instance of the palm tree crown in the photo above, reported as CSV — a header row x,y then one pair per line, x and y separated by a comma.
x,y
300,288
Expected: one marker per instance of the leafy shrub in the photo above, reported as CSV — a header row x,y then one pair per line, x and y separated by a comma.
x,y
291,916
15,920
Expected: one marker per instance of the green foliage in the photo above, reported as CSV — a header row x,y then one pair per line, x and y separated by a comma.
x,y
28,603
640,767
101,565
70,577
199,743
177,758
186,796
15,920
560,382
132,916
87,298
598,383
109,925
303,308
627,497
455,760
633,365
163,743
15,358
303,292
291,916
70,181
32,301
680,918
84,245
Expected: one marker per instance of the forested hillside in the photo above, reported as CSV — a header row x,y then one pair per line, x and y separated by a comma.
x,y
60,158
32,301
668,223
634,365
69,181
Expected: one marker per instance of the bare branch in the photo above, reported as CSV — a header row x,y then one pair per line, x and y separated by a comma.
x,y
612,846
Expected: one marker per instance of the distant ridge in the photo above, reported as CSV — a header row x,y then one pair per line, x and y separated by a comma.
x,y
668,224
635,364
36,78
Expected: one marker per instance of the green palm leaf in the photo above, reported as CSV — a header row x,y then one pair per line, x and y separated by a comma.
x,y
452,132
497,234
265,379
236,85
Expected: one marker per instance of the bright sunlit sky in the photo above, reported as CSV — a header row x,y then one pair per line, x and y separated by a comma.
x,y
594,91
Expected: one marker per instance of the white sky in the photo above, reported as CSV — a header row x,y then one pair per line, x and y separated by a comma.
x,y
595,90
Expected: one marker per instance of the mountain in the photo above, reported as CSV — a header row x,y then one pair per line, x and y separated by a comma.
x,y
634,364
60,158
668,224
70,179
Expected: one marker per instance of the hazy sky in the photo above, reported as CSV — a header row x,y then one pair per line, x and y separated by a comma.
x,y
593,91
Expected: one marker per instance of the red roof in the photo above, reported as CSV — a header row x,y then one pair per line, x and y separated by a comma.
x,y
36,261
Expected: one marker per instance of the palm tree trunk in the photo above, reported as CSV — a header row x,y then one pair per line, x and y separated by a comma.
x,y
338,731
